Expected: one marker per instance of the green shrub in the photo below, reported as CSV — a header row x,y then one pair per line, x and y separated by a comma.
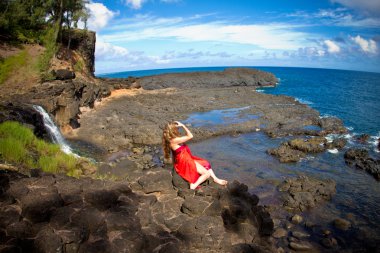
x,y
48,164
11,63
19,146
79,65
45,148
66,162
17,131
49,41
12,150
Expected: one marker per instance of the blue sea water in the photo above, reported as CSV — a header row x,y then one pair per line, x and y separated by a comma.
x,y
352,96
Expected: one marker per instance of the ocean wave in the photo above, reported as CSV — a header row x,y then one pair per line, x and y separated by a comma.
x,y
326,116
307,158
330,138
260,91
374,141
303,101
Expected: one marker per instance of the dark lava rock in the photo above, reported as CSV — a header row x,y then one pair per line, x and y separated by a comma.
x,y
265,221
47,241
313,145
329,242
337,143
300,246
178,181
225,78
342,224
242,206
247,248
156,181
39,220
360,159
304,192
102,199
286,154
353,155
63,74
363,138
332,125
194,205
37,205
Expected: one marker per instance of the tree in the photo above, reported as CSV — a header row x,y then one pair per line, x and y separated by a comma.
x,y
75,11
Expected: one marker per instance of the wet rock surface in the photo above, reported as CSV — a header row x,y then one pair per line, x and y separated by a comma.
x,y
137,117
296,149
359,158
304,192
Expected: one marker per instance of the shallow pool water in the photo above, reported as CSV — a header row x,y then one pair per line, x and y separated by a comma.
x,y
219,117
244,158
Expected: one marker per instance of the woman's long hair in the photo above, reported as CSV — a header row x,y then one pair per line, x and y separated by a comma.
x,y
170,131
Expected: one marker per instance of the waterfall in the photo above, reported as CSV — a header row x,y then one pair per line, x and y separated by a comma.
x,y
53,130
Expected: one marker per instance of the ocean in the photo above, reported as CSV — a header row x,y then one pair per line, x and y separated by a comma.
x,y
349,95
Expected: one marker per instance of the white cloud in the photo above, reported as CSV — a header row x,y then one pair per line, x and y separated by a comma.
x,y
369,7
367,46
135,4
100,15
269,36
332,47
337,17
310,53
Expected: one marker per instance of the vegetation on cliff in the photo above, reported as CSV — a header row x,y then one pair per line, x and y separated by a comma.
x,y
10,63
38,22
20,147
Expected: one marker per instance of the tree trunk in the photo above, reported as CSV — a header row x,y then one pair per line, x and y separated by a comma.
x,y
58,23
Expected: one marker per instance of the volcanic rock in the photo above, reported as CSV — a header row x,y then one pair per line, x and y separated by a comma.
x,y
313,145
286,153
332,125
304,192
360,159
63,74
225,78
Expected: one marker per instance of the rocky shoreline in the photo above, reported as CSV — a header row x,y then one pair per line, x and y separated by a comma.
x,y
142,205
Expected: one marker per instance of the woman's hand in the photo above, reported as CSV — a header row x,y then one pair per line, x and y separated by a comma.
x,y
179,124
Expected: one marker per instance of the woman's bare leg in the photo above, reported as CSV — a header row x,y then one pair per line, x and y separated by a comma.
x,y
216,179
204,175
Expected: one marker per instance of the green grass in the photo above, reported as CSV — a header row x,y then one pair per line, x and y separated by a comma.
x,y
50,44
12,150
9,64
79,65
20,147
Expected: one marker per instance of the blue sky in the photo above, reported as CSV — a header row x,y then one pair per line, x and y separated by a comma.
x,y
154,34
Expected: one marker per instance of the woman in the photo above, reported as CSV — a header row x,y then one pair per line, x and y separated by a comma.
x,y
193,169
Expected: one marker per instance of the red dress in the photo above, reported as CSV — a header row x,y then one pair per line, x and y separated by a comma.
x,y
184,163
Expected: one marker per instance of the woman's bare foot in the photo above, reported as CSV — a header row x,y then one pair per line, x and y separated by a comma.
x,y
220,181
193,186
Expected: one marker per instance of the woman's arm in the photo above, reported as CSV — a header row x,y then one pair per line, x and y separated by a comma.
x,y
182,139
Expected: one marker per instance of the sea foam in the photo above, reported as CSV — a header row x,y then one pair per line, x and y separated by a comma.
x,y
333,151
303,101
